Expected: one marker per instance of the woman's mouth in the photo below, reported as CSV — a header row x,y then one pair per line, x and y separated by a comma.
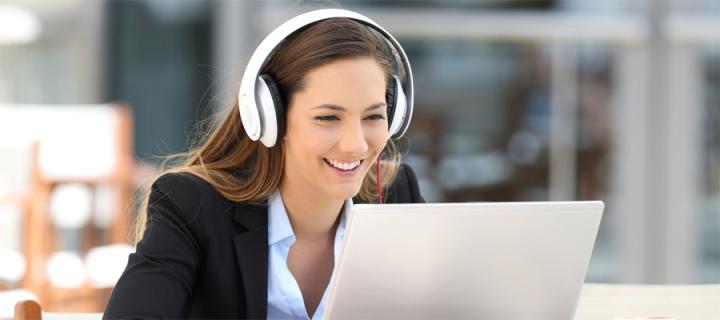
x,y
344,168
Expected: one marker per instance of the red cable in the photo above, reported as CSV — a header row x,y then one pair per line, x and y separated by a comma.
x,y
377,173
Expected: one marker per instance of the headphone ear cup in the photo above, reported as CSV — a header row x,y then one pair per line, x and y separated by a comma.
x,y
397,108
277,106
391,101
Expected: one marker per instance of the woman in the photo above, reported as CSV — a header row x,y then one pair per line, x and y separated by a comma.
x,y
243,229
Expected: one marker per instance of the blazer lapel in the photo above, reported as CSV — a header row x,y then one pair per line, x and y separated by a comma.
x,y
251,250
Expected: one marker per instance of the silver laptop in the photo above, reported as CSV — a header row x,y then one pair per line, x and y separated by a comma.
x,y
523,260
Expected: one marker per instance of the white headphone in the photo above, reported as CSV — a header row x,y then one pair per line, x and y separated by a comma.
x,y
261,109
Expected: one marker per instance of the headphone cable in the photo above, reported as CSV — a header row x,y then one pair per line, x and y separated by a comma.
x,y
377,174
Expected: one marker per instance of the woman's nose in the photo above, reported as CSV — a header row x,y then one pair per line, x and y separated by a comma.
x,y
352,140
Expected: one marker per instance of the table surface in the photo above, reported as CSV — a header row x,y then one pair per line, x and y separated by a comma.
x,y
607,302
619,301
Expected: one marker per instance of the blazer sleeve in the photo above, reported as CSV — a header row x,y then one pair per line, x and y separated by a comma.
x,y
404,188
158,279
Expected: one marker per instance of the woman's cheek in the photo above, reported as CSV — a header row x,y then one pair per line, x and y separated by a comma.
x,y
377,136
322,136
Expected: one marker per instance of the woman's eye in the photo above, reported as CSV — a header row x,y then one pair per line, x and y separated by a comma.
x,y
376,117
326,118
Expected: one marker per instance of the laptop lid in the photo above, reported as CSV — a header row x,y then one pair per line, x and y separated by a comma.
x,y
522,260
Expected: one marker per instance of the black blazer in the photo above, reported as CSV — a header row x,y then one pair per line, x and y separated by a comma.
x,y
203,256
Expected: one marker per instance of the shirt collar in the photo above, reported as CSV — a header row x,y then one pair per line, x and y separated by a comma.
x,y
279,224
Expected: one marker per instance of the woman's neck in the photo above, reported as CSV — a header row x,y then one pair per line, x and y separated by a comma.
x,y
313,217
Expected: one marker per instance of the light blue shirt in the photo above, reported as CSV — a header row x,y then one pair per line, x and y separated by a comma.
x,y
285,300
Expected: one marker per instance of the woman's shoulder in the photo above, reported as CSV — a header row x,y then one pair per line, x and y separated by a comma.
x,y
404,188
181,183
186,191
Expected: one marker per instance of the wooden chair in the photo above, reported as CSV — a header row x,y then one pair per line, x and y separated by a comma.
x,y
31,310
621,301
82,145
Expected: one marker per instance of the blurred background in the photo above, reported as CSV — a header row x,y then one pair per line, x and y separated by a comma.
x,y
516,100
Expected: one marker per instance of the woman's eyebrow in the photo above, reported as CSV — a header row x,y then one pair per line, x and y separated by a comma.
x,y
342,109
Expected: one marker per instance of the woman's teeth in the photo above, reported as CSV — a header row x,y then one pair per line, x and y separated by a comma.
x,y
343,165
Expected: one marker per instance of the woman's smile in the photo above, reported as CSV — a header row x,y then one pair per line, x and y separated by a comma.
x,y
344,168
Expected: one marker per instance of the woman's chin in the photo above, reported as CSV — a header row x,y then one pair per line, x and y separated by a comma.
x,y
344,191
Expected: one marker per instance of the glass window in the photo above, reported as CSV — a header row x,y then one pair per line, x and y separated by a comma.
x,y
709,221
158,62
482,121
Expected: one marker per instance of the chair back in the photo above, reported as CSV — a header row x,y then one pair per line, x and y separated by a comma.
x,y
17,168
81,194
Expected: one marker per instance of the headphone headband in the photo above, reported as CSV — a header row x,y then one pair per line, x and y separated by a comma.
x,y
253,115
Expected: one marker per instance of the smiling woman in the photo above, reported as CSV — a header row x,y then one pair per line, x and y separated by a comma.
x,y
243,228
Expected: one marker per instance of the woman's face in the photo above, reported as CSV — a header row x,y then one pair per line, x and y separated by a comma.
x,y
336,127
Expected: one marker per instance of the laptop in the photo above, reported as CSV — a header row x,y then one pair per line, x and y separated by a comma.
x,y
522,260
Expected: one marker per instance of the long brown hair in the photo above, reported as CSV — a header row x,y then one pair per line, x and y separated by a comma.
x,y
244,170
